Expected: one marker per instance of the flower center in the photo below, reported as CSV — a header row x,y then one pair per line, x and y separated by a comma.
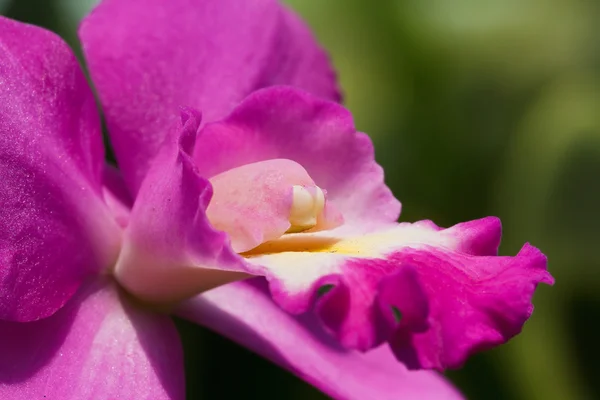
x,y
307,205
252,204
262,201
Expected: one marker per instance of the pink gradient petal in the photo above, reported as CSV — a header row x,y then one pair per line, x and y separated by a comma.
x,y
437,295
95,347
170,250
283,122
329,218
245,313
252,203
149,57
54,226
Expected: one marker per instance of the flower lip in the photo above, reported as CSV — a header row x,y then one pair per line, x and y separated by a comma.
x,y
441,282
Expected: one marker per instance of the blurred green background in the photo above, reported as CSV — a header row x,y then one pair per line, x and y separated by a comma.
x,y
476,107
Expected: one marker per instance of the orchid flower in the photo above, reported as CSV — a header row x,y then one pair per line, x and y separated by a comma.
x,y
249,207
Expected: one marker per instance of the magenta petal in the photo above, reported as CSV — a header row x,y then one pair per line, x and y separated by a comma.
x,y
54,226
148,57
245,313
116,195
95,347
476,303
436,295
170,250
370,302
283,122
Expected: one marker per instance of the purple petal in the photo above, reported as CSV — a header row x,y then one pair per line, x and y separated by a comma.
x,y
245,313
437,295
95,347
148,57
283,122
170,250
476,303
54,226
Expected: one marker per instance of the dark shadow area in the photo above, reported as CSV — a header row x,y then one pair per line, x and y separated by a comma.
x,y
574,204
584,322
479,379
35,12
215,365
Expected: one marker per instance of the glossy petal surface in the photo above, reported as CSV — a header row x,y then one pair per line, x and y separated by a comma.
x,y
95,347
245,313
437,295
170,250
54,226
283,122
206,54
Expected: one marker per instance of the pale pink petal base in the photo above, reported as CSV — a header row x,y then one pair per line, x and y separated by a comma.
x,y
252,203
245,313
95,347
170,249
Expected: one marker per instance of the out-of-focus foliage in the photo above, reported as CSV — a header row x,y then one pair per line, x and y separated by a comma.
x,y
477,107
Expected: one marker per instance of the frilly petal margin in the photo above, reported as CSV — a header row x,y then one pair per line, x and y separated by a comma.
x,y
54,226
170,250
95,347
476,303
206,54
436,295
284,122
245,313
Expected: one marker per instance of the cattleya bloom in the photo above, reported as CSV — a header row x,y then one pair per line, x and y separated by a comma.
x,y
249,207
